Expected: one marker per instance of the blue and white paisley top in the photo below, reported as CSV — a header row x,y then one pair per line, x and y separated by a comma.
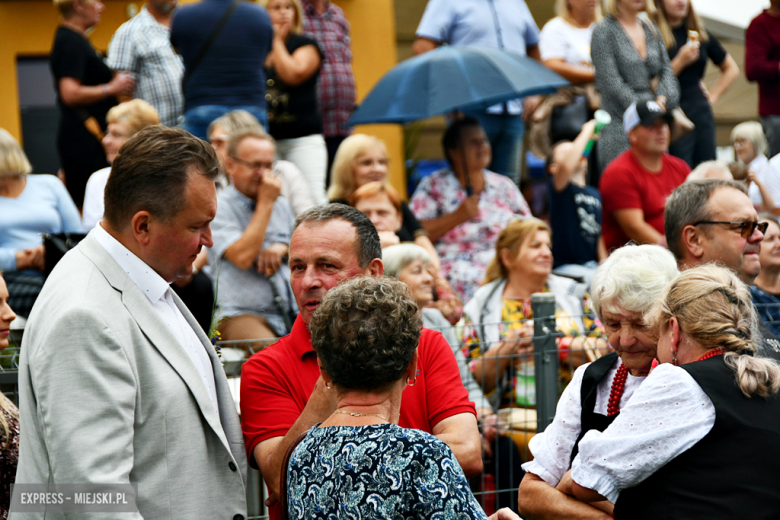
x,y
379,471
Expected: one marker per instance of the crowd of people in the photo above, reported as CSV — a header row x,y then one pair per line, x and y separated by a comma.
x,y
221,199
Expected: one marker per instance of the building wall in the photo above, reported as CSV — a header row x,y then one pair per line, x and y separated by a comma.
x,y
27,29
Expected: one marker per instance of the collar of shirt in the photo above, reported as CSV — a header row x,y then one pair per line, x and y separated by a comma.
x,y
151,284
236,197
300,337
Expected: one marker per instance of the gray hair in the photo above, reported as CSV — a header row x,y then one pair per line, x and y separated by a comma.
x,y
688,204
700,172
367,246
13,161
397,257
633,277
365,332
235,121
753,132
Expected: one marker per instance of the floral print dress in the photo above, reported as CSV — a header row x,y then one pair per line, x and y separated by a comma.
x,y
466,249
377,472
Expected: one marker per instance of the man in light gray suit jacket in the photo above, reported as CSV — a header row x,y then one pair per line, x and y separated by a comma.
x,y
117,382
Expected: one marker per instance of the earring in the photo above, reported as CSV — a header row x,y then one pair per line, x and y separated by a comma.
x,y
327,385
412,382
674,358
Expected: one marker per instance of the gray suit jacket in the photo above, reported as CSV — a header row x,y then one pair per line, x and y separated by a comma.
x,y
108,395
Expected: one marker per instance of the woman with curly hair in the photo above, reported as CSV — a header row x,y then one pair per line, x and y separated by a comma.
x,y
359,463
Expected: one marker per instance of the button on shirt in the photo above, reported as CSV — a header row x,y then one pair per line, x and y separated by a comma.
x,y
500,24
143,46
160,296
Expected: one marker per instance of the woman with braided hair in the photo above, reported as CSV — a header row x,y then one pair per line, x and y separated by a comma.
x,y
681,446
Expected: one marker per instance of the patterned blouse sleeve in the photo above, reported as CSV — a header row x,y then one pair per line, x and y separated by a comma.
x,y
423,203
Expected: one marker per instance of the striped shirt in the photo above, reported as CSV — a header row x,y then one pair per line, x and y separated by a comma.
x,y
143,46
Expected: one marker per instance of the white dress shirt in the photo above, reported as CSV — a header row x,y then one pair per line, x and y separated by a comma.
x,y
159,293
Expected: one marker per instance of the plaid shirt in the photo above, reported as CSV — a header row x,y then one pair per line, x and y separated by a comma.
x,y
143,46
336,85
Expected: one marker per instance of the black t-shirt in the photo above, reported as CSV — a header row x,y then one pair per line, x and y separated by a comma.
x,y
575,219
292,111
72,56
691,95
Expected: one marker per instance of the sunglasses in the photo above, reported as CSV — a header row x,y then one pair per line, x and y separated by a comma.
x,y
746,228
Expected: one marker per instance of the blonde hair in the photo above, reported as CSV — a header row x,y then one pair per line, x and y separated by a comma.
x,y
692,23
297,27
137,114
563,10
512,238
612,7
13,161
753,132
342,183
715,310
373,189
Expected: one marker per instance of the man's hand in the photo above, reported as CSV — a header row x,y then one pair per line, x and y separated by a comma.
x,y
270,188
270,259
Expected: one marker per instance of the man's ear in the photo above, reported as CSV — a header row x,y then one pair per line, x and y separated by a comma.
x,y
376,267
140,224
693,241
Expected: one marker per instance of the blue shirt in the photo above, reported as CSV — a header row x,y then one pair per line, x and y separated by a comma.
x,y
575,219
245,291
44,206
768,308
501,24
231,72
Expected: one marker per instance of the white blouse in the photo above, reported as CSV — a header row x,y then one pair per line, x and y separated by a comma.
x,y
667,416
769,176
552,448
559,39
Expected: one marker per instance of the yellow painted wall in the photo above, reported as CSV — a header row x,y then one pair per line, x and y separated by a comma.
x,y
27,29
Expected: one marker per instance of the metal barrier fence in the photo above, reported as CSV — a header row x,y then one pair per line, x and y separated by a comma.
x,y
497,486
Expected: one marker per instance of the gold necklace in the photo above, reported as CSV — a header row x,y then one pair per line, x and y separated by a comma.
x,y
356,414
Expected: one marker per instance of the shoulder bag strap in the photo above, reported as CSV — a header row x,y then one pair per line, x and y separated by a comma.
x,y
213,36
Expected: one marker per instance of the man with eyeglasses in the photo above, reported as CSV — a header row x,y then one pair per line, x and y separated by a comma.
x,y
713,220
251,232
634,186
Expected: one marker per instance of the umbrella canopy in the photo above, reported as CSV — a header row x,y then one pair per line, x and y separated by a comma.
x,y
453,78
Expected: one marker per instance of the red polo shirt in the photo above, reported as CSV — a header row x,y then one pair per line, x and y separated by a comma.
x,y
276,384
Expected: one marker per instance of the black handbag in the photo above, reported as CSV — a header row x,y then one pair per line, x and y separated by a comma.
x,y
56,246
567,121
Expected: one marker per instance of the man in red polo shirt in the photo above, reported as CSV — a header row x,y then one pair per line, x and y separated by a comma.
x,y
634,187
282,393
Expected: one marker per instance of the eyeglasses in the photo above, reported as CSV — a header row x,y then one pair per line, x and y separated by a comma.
x,y
746,228
255,165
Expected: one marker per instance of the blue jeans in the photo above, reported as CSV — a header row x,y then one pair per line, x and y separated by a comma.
x,y
505,133
197,120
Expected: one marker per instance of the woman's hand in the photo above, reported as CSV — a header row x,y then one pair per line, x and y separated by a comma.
x,y
33,258
388,238
689,53
469,208
282,30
